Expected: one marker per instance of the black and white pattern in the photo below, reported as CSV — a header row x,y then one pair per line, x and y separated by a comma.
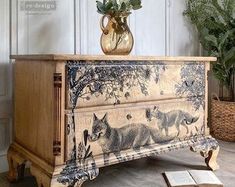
x,y
114,80
81,166
100,78
130,136
192,84
110,78
172,118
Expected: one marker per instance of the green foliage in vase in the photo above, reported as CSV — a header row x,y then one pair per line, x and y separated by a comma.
x,y
117,7
215,22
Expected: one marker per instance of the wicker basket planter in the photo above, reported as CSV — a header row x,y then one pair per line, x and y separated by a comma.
x,y
223,119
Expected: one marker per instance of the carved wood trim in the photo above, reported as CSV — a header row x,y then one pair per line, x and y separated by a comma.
x,y
57,114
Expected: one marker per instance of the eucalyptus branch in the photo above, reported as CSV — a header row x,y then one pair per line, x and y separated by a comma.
x,y
117,7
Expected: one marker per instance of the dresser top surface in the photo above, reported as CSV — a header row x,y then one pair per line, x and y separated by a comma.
x,y
62,57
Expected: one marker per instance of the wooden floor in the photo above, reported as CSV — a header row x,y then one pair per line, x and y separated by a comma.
x,y
148,172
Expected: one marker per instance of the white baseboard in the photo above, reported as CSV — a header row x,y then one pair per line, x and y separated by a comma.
x,y
3,163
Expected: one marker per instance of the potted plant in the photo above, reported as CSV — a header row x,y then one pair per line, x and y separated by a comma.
x,y
116,38
215,22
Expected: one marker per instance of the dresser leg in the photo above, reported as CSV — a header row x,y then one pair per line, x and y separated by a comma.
x,y
16,165
211,159
209,149
43,179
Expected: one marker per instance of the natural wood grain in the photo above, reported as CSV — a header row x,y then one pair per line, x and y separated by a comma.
x,y
42,179
31,157
16,165
34,107
60,118
55,57
44,172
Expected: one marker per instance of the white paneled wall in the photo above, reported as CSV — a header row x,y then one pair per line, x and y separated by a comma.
x,y
72,26
159,28
87,27
5,83
149,28
45,31
183,39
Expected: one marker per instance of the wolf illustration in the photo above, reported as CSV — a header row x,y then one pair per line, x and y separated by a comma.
x,y
113,140
173,118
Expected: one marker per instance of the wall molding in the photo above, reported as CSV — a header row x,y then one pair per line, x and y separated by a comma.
x,y
83,23
167,27
132,24
3,80
86,28
3,153
3,163
5,83
6,124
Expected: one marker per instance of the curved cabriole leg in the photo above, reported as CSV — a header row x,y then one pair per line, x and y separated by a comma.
x,y
208,147
211,159
44,179
16,165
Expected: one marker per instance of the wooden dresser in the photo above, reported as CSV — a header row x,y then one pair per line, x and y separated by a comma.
x,y
75,114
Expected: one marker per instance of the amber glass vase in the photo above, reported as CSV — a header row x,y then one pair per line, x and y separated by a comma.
x,y
116,38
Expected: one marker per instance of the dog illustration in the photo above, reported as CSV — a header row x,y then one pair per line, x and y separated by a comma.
x,y
113,140
173,118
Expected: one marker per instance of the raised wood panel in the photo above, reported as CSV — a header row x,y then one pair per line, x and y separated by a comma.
x,y
149,28
41,31
4,135
34,107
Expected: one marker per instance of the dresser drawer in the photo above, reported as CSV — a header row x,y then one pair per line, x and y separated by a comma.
x,y
110,83
128,126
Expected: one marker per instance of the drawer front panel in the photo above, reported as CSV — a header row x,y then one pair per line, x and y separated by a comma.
x,y
110,83
118,128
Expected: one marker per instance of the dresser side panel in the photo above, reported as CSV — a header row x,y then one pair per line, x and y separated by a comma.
x,y
34,107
